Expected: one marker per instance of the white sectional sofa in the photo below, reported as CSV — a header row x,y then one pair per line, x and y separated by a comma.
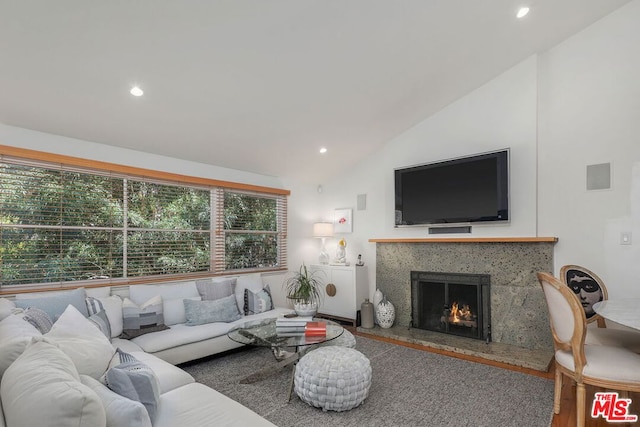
x,y
74,352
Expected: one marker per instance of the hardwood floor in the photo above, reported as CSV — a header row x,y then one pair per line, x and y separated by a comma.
x,y
567,415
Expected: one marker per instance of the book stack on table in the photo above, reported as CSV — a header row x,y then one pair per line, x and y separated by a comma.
x,y
315,329
292,326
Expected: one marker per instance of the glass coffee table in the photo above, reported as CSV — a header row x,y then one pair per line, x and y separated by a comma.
x,y
286,349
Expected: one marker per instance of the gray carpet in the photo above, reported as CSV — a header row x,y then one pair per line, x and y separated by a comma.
x,y
409,388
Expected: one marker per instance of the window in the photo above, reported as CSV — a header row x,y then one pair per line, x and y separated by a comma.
x,y
60,223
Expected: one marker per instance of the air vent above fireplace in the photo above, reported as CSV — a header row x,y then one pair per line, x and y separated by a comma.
x,y
451,303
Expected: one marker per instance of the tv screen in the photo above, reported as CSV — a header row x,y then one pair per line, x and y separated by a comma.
x,y
464,190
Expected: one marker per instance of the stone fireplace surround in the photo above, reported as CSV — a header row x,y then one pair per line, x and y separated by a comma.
x,y
519,315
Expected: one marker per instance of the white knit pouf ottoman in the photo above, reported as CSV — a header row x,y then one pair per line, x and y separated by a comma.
x,y
333,378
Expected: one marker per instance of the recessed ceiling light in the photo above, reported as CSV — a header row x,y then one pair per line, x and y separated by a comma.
x,y
323,150
522,12
136,91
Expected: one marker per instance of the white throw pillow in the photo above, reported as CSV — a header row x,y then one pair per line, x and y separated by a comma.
x,y
120,411
6,307
112,305
43,386
173,310
253,282
15,335
77,337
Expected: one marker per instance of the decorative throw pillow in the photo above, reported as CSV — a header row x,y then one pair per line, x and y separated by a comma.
x,y
101,321
15,335
120,411
6,307
42,388
253,282
213,289
56,303
136,381
257,302
112,306
143,319
38,318
79,339
220,310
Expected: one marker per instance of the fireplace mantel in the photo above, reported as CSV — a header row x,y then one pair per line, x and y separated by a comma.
x,y
469,240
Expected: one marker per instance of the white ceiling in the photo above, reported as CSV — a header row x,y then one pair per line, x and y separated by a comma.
x,y
261,85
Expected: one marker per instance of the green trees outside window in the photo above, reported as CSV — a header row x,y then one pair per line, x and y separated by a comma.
x,y
59,225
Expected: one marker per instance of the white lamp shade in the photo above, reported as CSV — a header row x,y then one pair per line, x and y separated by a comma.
x,y
322,229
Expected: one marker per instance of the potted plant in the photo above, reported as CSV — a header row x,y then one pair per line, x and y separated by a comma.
x,y
304,288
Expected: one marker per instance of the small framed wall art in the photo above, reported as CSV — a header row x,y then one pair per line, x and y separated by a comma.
x,y
342,221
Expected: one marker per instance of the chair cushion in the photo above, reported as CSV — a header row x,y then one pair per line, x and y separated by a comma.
x,y
615,337
605,362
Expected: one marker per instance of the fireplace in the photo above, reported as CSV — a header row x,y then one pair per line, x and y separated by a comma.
x,y
451,303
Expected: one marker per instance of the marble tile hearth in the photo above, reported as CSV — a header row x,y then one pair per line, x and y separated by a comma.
x,y
538,360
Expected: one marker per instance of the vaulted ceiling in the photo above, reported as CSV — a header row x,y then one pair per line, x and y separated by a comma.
x,y
261,85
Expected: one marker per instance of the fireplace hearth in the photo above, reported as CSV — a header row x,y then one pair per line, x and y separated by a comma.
x,y
451,303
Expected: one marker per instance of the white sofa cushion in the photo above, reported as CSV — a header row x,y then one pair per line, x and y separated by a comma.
x,y
6,307
43,385
15,335
182,334
120,411
142,293
54,303
89,349
112,306
174,311
196,405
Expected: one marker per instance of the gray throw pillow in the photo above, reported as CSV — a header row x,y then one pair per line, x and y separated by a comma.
x,y
101,320
210,289
38,318
220,310
257,302
136,381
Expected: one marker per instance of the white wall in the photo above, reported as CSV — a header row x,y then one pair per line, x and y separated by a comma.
x,y
33,140
589,114
576,105
501,114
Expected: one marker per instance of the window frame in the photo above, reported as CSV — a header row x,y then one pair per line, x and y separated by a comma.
x,y
214,186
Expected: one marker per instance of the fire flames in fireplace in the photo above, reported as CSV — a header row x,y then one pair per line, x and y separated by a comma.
x,y
460,315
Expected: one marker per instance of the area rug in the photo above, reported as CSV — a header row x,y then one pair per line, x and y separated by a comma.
x,y
409,388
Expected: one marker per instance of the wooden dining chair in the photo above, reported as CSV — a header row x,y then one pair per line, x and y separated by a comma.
x,y
584,282
609,367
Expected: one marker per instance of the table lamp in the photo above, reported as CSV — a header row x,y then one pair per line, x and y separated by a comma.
x,y
322,230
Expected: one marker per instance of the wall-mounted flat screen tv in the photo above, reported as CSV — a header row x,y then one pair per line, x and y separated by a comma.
x,y
458,191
